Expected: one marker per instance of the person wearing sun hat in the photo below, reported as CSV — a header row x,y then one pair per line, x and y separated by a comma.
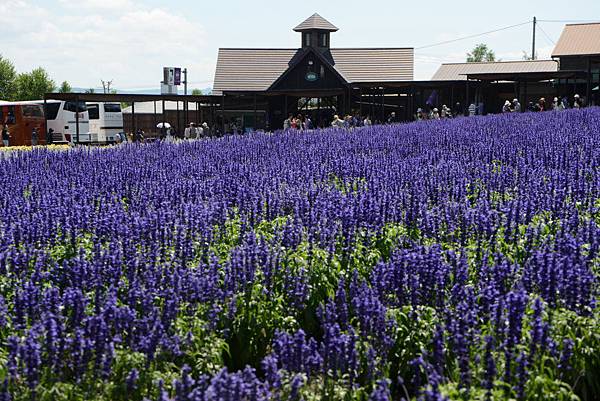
x,y
516,106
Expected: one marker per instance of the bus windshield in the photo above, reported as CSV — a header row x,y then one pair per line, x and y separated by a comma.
x,y
75,107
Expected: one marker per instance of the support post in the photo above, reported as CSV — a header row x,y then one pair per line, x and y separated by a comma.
x,y
588,91
46,120
533,42
77,117
382,104
163,115
467,102
154,116
223,112
133,124
255,124
360,103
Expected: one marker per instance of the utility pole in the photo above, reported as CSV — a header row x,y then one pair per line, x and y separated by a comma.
x,y
185,81
533,44
106,86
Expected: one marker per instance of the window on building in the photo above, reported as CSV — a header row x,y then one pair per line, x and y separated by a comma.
x,y
307,39
323,40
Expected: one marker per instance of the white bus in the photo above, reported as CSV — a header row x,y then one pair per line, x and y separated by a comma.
x,y
62,119
106,121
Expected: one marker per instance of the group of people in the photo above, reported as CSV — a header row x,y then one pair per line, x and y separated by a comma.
x,y
6,136
192,131
438,114
348,121
299,122
541,105
354,121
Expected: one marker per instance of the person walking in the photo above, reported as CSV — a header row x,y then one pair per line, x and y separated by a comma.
x,y
50,137
287,123
472,109
5,136
516,105
139,135
187,133
392,118
35,136
337,122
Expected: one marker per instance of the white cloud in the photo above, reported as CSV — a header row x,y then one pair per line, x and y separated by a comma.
x,y
83,45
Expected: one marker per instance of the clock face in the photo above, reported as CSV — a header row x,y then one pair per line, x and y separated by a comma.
x,y
311,76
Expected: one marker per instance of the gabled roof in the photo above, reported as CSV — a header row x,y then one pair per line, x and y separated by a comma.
x,y
315,21
299,57
578,40
459,71
257,69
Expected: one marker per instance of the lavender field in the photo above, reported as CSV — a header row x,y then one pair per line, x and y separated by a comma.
x,y
442,260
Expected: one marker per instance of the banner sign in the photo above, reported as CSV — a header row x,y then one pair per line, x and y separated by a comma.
x,y
177,76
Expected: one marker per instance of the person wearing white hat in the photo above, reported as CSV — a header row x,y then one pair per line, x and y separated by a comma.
x,y
555,104
577,102
516,105
506,108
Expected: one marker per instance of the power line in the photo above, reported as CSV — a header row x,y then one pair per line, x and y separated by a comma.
x,y
546,35
474,36
566,21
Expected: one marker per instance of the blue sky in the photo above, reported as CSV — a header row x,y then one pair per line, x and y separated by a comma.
x,y
128,41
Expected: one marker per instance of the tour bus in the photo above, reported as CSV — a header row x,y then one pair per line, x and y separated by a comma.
x,y
62,119
21,118
106,121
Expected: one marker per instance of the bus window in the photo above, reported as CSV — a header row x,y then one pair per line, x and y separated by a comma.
x,y
94,111
32,111
11,119
112,108
52,110
72,107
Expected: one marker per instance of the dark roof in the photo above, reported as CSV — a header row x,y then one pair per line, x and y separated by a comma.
x,y
257,69
315,21
534,76
578,40
459,71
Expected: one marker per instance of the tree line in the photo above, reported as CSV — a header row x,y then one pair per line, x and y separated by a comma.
x,y
26,85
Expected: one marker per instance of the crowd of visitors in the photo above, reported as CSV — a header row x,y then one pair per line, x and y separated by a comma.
x,y
541,105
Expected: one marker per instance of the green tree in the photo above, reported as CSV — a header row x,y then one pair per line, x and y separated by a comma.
x,y
33,85
65,87
197,92
91,90
480,53
8,75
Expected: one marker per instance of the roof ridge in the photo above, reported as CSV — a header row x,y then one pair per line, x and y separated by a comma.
x,y
498,62
584,23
